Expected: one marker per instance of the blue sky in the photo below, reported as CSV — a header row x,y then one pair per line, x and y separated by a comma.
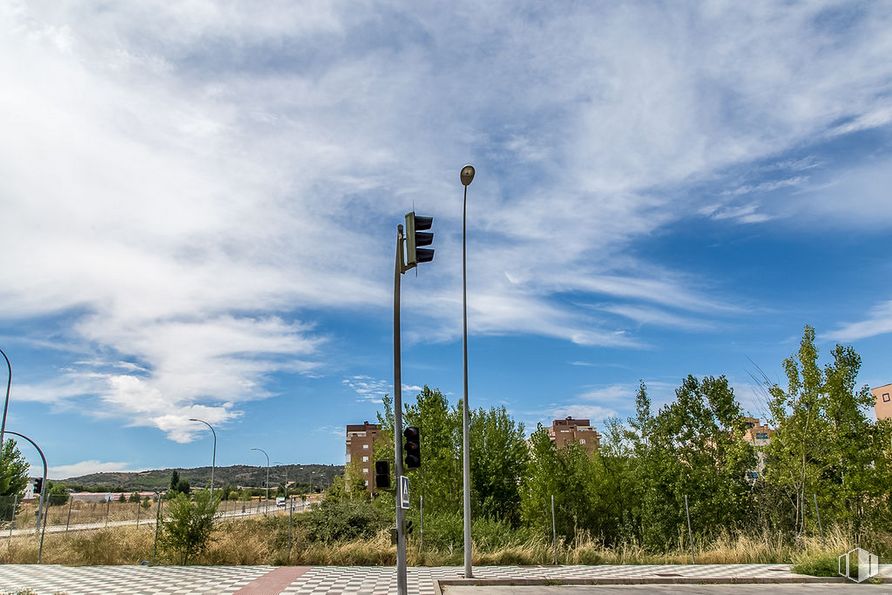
x,y
200,201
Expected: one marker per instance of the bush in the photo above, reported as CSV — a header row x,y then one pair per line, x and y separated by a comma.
x,y
342,520
187,531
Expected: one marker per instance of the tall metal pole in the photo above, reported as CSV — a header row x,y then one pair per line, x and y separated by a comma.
x,y
214,455
467,176
267,477
5,403
41,529
401,582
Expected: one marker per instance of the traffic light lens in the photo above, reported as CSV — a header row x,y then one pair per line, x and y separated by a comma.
x,y
424,238
422,223
424,254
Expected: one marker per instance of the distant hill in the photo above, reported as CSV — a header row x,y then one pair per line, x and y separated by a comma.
x,y
308,477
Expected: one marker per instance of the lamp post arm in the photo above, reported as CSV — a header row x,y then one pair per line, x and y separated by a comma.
x,y
6,402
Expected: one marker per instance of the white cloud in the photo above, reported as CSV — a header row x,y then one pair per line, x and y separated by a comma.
x,y
82,468
184,180
877,322
612,392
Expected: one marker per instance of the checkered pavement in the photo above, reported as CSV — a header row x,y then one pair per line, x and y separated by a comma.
x,y
352,580
130,580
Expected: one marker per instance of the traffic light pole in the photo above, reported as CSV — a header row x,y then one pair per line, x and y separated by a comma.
x,y
401,585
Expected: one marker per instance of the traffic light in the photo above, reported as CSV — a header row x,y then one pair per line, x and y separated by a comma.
x,y
413,447
417,236
382,475
38,485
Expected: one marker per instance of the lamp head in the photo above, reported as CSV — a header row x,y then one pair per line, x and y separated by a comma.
x,y
467,175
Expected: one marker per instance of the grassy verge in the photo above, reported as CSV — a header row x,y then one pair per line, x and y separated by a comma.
x,y
271,541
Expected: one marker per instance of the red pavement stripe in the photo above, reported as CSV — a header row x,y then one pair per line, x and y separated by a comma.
x,y
274,582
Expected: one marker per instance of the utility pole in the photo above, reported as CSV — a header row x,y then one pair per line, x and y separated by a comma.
x,y
401,579
415,236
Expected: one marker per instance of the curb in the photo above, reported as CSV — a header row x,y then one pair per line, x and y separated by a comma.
x,y
656,580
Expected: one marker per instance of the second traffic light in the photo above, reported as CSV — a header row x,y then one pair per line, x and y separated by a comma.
x,y
382,475
412,447
416,235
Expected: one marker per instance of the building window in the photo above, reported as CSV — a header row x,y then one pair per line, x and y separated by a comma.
x,y
365,470
885,397
365,459
365,446
582,441
761,435
367,483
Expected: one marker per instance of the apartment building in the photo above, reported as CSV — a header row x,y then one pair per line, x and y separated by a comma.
x,y
574,431
883,401
759,435
361,450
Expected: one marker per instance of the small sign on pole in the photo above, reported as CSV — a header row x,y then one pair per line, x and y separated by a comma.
x,y
404,492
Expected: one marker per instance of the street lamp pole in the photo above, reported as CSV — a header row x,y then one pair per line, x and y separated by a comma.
x,y
41,528
467,176
267,477
6,402
214,455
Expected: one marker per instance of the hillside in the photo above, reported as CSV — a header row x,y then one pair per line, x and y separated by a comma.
x,y
308,477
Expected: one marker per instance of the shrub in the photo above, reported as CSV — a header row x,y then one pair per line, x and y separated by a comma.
x,y
343,519
187,531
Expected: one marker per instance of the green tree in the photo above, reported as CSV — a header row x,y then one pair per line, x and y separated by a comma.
x,y
187,531
826,448
174,481
13,470
57,494
693,447
499,456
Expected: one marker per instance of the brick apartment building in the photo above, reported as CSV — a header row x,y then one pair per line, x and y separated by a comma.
x,y
759,435
574,431
361,450
883,404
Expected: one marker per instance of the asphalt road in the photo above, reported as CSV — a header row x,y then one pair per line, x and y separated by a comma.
x,y
801,589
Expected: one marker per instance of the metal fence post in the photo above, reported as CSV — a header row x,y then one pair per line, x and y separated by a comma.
x,y
107,510
157,528
138,506
690,533
421,528
553,530
70,504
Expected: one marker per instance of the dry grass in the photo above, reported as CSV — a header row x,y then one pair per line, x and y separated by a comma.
x,y
265,541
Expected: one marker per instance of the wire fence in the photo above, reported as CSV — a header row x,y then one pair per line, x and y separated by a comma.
x,y
79,514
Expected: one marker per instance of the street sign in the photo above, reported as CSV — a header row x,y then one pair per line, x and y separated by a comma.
x,y
404,492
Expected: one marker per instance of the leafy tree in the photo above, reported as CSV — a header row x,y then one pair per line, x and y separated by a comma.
x,y
499,455
696,449
13,470
134,497
190,523
122,497
826,449
57,494
174,481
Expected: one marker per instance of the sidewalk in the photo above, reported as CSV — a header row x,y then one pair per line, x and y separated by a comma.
x,y
366,580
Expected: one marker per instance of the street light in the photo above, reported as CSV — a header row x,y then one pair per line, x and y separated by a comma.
x,y
41,514
467,176
5,403
214,456
267,477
